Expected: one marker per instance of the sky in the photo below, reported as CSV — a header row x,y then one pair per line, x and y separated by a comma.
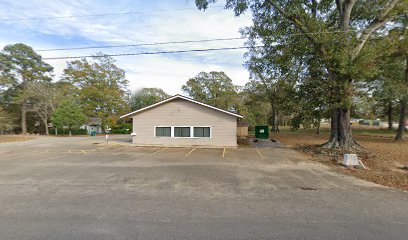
x,y
160,21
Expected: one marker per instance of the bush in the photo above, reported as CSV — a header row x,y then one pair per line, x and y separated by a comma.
x,y
65,131
121,128
120,131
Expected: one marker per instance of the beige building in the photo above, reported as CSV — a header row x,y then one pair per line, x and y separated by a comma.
x,y
181,121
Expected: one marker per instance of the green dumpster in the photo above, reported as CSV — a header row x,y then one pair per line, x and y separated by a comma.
x,y
262,132
93,133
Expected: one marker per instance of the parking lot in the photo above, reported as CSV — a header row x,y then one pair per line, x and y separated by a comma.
x,y
84,188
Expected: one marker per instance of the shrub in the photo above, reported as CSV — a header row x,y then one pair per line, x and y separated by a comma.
x,y
65,131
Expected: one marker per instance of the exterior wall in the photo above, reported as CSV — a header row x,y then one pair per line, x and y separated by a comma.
x,y
242,131
183,113
90,128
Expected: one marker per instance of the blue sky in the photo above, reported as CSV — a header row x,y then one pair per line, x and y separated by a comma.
x,y
168,72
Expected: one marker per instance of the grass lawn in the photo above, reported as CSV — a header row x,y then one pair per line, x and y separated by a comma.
x,y
386,160
14,138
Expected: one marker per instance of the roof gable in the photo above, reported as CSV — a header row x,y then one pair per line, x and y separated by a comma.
x,y
184,98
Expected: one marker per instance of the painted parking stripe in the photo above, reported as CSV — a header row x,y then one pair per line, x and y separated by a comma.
x,y
223,153
192,150
259,153
12,157
158,151
42,160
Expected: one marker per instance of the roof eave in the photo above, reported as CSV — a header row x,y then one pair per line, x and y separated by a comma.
x,y
182,97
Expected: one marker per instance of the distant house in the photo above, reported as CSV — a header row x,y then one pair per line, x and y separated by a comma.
x,y
93,124
182,121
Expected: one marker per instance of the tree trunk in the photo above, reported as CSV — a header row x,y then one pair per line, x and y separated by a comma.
x,y
318,126
389,115
24,118
275,125
70,134
341,134
46,127
401,122
340,126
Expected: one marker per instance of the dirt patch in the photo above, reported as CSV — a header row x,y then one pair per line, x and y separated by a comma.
x,y
386,160
15,138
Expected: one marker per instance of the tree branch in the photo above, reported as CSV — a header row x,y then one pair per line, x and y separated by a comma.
x,y
301,28
374,26
345,13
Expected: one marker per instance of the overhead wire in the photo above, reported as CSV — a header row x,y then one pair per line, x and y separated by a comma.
x,y
148,53
139,44
176,42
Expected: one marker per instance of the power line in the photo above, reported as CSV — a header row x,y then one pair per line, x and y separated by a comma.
x,y
179,42
139,44
149,53
102,14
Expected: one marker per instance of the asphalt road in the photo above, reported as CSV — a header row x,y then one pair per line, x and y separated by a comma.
x,y
82,188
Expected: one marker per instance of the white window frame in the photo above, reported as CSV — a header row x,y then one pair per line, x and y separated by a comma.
x,y
191,132
171,131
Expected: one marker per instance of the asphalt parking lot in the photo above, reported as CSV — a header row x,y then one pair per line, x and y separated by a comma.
x,y
83,188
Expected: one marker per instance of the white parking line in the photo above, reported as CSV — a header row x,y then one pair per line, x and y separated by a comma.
x,y
260,154
192,150
45,159
12,157
158,151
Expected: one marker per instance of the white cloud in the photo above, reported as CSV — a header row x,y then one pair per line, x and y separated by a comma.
x,y
165,71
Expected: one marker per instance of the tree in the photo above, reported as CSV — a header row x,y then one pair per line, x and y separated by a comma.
x,y
19,66
101,87
68,114
253,103
334,31
400,41
213,88
146,97
6,122
43,99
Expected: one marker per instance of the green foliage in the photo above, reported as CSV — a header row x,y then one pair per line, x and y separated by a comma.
x,y
66,131
6,122
214,88
146,97
122,128
20,65
69,114
253,104
100,86
327,42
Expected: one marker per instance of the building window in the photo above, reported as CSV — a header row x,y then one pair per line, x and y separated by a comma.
x,y
163,131
203,132
181,131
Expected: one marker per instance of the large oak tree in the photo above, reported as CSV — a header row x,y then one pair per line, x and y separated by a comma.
x,y
334,31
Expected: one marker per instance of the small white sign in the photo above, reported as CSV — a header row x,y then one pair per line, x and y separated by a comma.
x,y
261,130
350,160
